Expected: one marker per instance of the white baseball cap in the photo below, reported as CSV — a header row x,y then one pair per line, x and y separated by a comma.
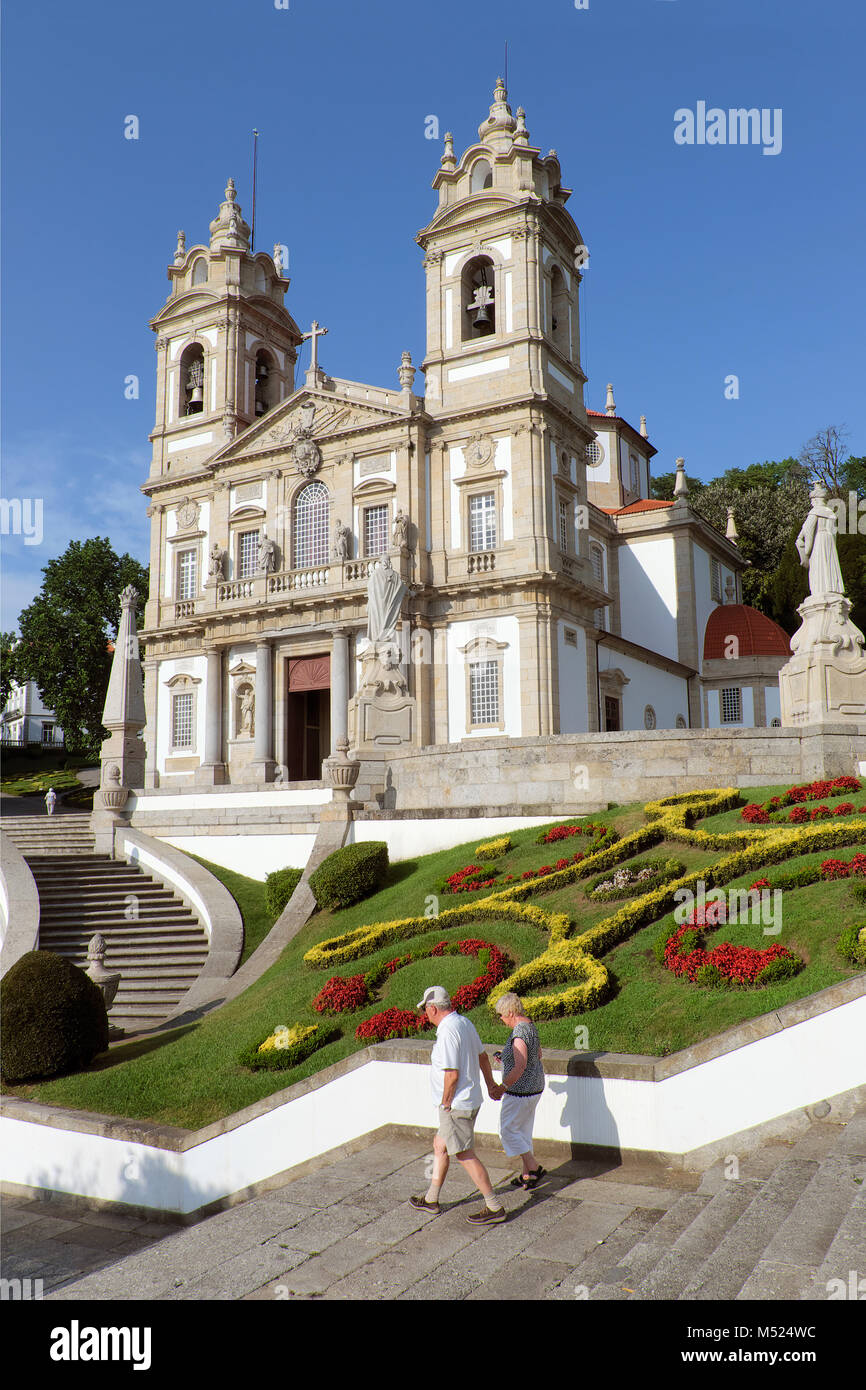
x,y
435,995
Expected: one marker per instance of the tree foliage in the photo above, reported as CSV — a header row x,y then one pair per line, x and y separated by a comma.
x,y
65,634
8,668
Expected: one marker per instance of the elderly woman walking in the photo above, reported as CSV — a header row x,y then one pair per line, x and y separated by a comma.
x,y
521,1088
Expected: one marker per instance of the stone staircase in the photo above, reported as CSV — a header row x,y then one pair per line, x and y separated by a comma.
x,y
151,936
794,1220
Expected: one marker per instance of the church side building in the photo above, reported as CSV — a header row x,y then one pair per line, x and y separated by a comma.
x,y
546,591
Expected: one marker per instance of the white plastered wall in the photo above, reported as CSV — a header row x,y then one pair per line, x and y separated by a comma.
x,y
648,594
504,629
573,700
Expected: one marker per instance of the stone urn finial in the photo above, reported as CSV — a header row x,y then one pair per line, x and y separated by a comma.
x,y
107,980
342,771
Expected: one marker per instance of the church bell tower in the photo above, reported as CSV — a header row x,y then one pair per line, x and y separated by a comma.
x,y
226,344
502,258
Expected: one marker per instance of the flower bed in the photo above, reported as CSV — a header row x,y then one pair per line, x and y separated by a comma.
x,y
402,1023
494,848
285,1047
469,879
771,810
600,833
685,954
627,882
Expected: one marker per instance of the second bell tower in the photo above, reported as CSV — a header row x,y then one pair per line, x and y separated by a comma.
x,y
226,344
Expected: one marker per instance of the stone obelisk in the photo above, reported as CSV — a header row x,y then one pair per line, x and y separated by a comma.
x,y
122,755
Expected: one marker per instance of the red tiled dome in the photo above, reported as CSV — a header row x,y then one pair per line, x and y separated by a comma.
x,y
757,634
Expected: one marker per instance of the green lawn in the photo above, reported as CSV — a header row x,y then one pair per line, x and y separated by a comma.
x,y
192,1076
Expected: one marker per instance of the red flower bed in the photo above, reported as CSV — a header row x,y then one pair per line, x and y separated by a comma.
x,y
466,880
838,868
393,1023
809,791
740,963
563,832
340,996
402,1023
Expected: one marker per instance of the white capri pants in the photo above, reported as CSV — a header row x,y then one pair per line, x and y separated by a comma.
x,y
516,1118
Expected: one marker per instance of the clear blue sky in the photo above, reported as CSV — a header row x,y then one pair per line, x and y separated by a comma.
x,y
705,261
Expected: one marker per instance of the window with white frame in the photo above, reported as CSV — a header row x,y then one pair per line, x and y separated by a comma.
x,y
564,529
484,692
187,577
597,557
248,554
47,733
482,521
376,530
312,520
181,720
715,581
732,705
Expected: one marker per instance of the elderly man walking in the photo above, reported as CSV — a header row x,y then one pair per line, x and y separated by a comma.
x,y
456,1062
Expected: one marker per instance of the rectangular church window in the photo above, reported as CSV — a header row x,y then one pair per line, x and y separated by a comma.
x,y
563,527
715,581
732,705
181,721
611,714
186,574
248,552
484,692
482,521
376,530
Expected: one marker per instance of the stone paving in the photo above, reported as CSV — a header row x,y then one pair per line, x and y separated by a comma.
x,y
793,1218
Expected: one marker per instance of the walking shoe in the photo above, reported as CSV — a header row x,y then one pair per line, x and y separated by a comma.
x,y
486,1217
421,1204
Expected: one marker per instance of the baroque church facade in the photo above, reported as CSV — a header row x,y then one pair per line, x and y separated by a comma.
x,y
546,592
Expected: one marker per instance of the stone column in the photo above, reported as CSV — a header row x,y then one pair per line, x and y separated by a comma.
x,y
339,687
263,764
281,690
213,770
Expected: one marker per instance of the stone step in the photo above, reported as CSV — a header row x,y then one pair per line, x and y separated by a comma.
x,y
622,1281
723,1274
152,910
681,1263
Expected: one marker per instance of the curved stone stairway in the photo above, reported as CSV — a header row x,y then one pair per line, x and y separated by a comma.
x,y
152,938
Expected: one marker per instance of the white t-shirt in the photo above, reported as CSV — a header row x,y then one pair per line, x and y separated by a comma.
x,y
456,1048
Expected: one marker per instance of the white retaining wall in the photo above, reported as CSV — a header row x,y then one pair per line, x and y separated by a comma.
x,y
793,1067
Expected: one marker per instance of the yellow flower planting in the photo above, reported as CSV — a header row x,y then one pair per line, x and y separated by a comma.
x,y
494,848
284,1037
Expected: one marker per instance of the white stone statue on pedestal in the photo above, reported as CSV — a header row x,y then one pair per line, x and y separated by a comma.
x,y
825,680
381,661
816,546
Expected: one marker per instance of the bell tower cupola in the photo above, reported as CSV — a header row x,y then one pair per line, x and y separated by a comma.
x,y
502,259
226,344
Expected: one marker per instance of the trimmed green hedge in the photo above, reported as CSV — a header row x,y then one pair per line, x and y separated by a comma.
x,y
850,945
279,887
350,874
54,1018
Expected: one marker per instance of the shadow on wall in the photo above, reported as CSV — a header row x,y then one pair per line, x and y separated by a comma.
x,y
585,1115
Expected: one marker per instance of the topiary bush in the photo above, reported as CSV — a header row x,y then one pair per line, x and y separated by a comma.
x,y
852,944
279,887
54,1018
350,874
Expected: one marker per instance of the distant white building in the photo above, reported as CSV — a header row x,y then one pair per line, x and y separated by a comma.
x,y
26,719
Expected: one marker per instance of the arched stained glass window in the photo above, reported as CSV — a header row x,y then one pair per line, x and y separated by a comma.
x,y
311,526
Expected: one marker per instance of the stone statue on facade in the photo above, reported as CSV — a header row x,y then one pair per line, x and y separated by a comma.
x,y
400,529
248,709
267,556
342,541
216,562
385,594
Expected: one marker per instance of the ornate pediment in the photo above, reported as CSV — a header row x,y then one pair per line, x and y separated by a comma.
x,y
301,424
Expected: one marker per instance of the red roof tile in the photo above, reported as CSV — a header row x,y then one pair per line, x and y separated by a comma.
x,y
756,634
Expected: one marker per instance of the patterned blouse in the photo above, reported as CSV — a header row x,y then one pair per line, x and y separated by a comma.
x,y
531,1083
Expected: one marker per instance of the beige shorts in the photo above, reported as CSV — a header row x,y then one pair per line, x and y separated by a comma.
x,y
457,1129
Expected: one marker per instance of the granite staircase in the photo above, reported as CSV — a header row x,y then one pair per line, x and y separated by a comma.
x,y
154,940
791,1226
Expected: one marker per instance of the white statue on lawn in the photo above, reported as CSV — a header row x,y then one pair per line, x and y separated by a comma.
x,y
816,546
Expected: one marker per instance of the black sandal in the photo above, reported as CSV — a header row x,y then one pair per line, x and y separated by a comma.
x,y
530,1180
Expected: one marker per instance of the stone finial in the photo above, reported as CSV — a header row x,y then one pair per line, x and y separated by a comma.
x,y
449,159
731,529
124,703
730,592
106,980
278,258
643,428
180,252
681,487
610,404
500,124
406,372
229,225
521,134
